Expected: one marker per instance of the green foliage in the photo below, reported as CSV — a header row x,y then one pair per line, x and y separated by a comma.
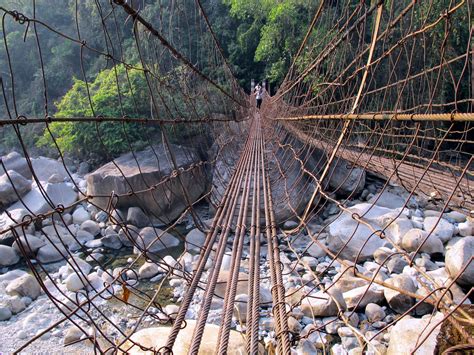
x,y
268,34
115,92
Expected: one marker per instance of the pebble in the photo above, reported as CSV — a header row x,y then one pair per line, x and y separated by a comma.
x,y
5,312
22,334
94,243
345,332
72,334
349,342
172,310
379,325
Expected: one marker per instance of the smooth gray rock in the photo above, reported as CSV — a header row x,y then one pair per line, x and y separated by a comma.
x,y
457,257
45,167
400,302
16,304
424,261
55,178
8,256
60,235
76,264
12,187
14,161
118,216
154,239
396,264
374,312
30,244
60,194
49,253
293,325
381,255
195,240
361,296
167,201
321,304
112,241
466,228
137,217
444,230
442,278
148,270
93,244
80,215
407,332
346,179
388,199
359,237
290,224
91,227
75,282
456,216
5,313
128,235
24,286
73,334
396,226
306,347
415,237
84,236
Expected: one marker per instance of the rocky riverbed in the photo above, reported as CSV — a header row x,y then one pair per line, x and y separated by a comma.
x,y
331,308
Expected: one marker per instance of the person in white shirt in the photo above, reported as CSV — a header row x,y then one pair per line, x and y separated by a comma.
x,y
259,95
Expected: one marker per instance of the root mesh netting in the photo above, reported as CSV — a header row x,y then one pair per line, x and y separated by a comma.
x,y
337,218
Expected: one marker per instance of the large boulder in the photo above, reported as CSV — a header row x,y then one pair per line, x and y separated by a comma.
x,y
137,217
388,199
46,167
346,179
359,237
167,201
155,338
12,186
296,191
457,257
409,333
14,161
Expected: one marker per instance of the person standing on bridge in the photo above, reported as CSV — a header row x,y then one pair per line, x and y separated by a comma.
x,y
259,95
